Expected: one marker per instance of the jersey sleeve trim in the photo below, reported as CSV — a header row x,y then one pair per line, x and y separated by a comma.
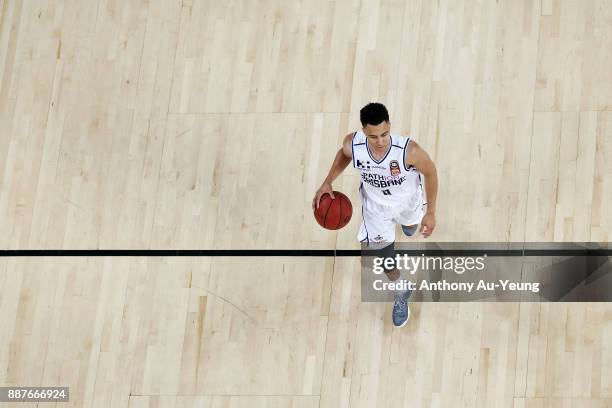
x,y
353,148
405,150
367,238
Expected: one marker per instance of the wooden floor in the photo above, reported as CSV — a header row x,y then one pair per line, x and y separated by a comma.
x,y
209,124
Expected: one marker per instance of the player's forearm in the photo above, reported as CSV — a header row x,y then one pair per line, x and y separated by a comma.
x,y
431,190
338,166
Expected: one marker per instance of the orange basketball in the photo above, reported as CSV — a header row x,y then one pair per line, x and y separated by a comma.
x,y
334,214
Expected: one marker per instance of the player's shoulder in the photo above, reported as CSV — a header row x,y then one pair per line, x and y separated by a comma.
x,y
347,144
412,146
400,141
406,141
415,154
409,146
355,137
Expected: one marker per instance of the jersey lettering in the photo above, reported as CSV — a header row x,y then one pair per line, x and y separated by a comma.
x,y
388,181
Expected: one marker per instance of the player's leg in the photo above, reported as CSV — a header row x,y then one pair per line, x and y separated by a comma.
x,y
377,232
377,225
409,217
401,293
410,230
401,310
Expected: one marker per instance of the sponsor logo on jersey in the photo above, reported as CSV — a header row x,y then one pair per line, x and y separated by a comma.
x,y
367,166
380,181
394,168
363,165
377,238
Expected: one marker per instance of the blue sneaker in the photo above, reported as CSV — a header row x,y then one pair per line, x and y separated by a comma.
x,y
409,230
401,311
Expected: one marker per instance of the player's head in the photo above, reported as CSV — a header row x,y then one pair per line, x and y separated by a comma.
x,y
375,121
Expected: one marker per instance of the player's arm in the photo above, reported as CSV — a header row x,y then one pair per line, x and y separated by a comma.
x,y
344,156
419,158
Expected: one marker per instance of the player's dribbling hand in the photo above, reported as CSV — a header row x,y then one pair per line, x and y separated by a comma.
x,y
326,188
428,223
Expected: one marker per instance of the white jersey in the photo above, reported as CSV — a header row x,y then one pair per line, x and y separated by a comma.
x,y
387,181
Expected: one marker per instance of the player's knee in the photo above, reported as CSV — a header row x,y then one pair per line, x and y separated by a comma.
x,y
392,274
386,250
410,230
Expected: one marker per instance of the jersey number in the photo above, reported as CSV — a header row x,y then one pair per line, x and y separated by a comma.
x,y
386,192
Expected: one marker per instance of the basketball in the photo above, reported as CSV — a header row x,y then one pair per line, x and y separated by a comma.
x,y
334,214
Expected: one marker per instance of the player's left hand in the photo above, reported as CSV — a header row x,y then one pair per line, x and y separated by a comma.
x,y
428,223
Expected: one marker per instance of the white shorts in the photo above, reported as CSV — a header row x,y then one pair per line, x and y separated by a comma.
x,y
378,221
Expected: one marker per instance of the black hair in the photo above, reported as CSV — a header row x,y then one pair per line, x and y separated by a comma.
x,y
373,114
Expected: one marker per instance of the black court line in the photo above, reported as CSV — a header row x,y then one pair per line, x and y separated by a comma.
x,y
295,252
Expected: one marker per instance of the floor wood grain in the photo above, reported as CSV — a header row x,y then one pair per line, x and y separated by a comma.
x,y
155,124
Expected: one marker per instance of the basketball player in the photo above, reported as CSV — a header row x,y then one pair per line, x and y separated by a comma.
x,y
391,168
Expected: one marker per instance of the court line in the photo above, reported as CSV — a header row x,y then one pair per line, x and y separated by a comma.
x,y
296,252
